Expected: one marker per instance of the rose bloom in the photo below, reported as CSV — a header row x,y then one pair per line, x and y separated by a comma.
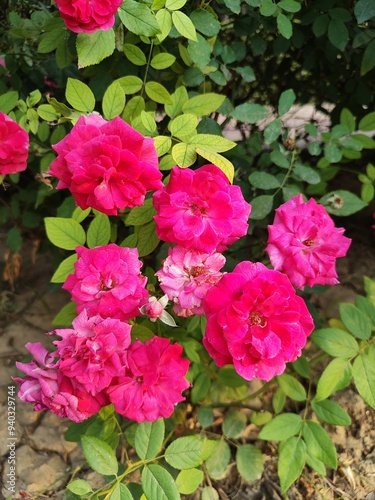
x,y
46,387
153,380
107,282
14,146
200,210
91,352
88,16
304,243
106,165
187,275
255,321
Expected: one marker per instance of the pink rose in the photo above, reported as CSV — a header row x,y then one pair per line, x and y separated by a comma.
x,y
88,16
14,146
153,380
255,321
46,387
108,282
304,243
200,210
91,353
187,275
106,165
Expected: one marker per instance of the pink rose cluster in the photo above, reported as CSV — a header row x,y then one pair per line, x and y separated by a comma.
x,y
88,16
106,165
96,364
255,321
304,243
14,146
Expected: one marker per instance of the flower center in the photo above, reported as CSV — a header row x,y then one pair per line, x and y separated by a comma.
x,y
197,210
104,287
256,319
308,243
196,271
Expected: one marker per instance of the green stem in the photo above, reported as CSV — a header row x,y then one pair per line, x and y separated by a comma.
x,y
147,67
289,172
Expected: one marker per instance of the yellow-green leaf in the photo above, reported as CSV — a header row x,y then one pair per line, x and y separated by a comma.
x,y
223,163
203,104
184,155
158,93
162,60
135,54
113,101
162,144
211,142
183,125
184,25
80,96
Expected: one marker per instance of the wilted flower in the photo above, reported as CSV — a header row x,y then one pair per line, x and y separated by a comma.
x,y
106,165
14,146
88,16
200,210
153,380
107,282
304,243
255,321
187,275
92,351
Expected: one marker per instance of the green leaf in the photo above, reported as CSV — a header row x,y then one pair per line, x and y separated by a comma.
x,y
162,60
330,412
218,462
158,93
249,461
286,101
319,443
367,123
366,307
8,101
289,5
134,54
315,464
80,96
149,438
332,153
140,215
138,18
215,158
205,22
179,98
174,4
164,19
99,231
281,427
200,388
320,25
14,239
113,101
261,206
284,26
99,455
188,480
364,10
234,424
158,484
186,452
280,159
292,388
278,400
184,25
336,376
260,418
199,51
233,5
147,239
183,125
268,8
214,143
92,48
273,131
205,416
184,154
336,342
148,122
355,321
130,84
292,457
247,73
66,315
65,268
302,367
227,375
347,118
249,113
162,144
342,202
64,233
79,487
364,377
306,173
121,492
263,180
338,34
204,104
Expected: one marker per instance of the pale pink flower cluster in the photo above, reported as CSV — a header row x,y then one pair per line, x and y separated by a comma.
x,y
200,210
255,321
304,243
14,146
96,364
88,16
106,165
187,275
